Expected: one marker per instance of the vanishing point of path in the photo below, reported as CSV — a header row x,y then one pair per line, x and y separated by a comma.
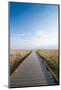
x,y
31,72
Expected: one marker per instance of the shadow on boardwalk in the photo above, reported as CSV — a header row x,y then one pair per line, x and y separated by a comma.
x,y
48,75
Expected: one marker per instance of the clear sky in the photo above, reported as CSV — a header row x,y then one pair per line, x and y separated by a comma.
x,y
33,26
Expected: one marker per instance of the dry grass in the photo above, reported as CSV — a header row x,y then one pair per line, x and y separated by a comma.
x,y
15,54
17,57
51,58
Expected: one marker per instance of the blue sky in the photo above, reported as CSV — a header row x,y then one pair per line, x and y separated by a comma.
x,y
33,26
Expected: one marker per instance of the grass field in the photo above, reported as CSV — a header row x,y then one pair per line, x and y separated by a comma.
x,y
16,57
51,58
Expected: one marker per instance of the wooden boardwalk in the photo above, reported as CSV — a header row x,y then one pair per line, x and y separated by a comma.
x,y
29,73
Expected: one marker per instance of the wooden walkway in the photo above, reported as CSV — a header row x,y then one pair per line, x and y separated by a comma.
x,y
29,73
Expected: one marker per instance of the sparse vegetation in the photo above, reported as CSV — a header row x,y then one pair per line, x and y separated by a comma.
x,y
16,57
51,58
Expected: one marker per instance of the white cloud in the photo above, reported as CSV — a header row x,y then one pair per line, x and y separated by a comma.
x,y
17,35
46,39
20,34
39,39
